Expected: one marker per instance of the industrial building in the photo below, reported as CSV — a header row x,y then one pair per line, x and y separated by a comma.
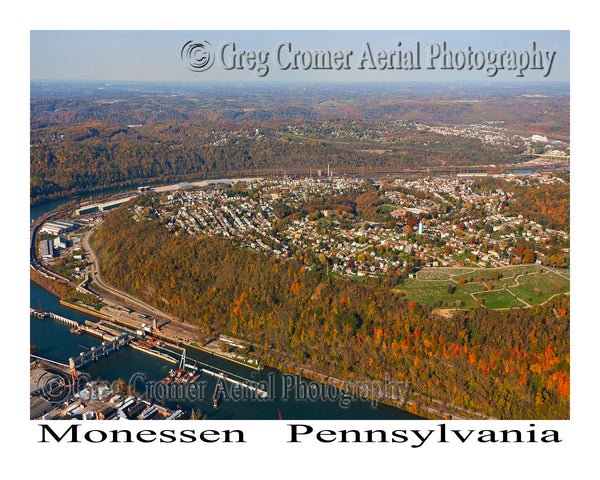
x,y
52,229
69,225
86,209
110,205
38,406
102,207
46,250
57,227
60,243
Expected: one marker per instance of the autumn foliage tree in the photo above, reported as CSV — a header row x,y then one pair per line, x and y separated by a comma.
x,y
509,364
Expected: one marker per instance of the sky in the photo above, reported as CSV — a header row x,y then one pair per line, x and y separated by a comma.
x,y
146,55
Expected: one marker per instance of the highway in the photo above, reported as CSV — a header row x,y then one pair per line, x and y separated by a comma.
x,y
178,332
169,325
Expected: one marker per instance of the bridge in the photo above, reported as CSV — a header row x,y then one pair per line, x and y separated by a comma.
x,y
111,344
104,350
68,321
52,362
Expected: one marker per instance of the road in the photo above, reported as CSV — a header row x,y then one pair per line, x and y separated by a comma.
x,y
174,328
170,325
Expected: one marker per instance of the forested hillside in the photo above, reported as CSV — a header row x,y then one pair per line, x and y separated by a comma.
x,y
509,364
88,138
74,159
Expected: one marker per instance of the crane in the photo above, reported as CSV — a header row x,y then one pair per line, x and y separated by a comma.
x,y
182,361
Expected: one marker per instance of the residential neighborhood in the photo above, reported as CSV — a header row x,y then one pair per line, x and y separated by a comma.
x,y
442,221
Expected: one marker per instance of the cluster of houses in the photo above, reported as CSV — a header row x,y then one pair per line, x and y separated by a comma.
x,y
493,133
351,246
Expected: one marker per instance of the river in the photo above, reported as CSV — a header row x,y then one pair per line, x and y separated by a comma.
x,y
306,400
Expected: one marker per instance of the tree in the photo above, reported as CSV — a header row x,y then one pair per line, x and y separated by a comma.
x,y
334,325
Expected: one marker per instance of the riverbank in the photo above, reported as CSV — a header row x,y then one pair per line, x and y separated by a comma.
x,y
225,356
250,363
81,308
418,407
187,335
421,407
111,320
58,289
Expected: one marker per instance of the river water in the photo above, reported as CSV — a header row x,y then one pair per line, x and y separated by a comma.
x,y
288,396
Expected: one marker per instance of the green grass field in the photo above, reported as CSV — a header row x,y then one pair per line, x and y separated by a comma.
x,y
536,289
532,284
499,299
387,206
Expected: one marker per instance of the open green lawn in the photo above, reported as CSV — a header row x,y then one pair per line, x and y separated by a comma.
x,y
537,288
429,292
425,292
388,206
431,286
499,299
